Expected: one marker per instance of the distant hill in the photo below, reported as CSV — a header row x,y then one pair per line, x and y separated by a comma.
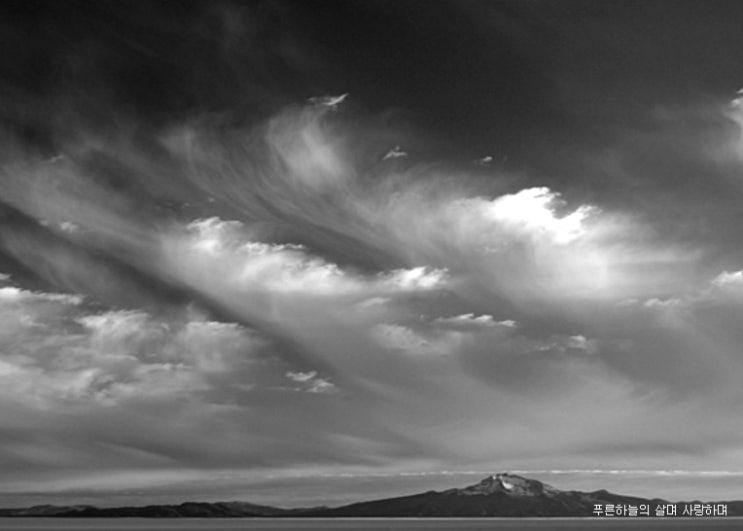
x,y
184,510
501,495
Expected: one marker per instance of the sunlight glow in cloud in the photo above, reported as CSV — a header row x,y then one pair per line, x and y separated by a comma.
x,y
531,211
221,248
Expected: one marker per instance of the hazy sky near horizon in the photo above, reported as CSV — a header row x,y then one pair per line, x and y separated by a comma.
x,y
273,239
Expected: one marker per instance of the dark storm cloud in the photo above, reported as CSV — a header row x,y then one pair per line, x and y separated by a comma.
x,y
151,58
158,60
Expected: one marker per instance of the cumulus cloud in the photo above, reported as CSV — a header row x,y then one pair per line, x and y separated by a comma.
x,y
56,350
214,244
530,212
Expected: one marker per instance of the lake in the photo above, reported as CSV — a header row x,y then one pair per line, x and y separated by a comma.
x,y
361,524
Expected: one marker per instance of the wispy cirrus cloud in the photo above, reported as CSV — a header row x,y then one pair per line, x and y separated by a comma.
x,y
350,309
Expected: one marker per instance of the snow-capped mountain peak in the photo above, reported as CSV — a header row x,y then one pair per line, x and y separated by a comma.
x,y
509,484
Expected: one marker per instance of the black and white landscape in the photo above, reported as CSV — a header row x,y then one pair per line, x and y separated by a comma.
x,y
315,252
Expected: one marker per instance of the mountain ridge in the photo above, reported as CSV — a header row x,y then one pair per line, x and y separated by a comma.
x,y
498,495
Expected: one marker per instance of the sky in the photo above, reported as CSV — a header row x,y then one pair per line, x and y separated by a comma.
x,y
300,252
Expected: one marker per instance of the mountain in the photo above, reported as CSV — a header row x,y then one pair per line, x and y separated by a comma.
x,y
184,510
44,510
504,495
500,495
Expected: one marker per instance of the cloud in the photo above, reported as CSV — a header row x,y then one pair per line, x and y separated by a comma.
x,y
726,279
308,175
518,246
306,286
417,279
19,296
531,212
59,352
311,382
320,385
350,309
328,101
115,372
469,321
301,376
400,337
526,245
395,153
286,268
